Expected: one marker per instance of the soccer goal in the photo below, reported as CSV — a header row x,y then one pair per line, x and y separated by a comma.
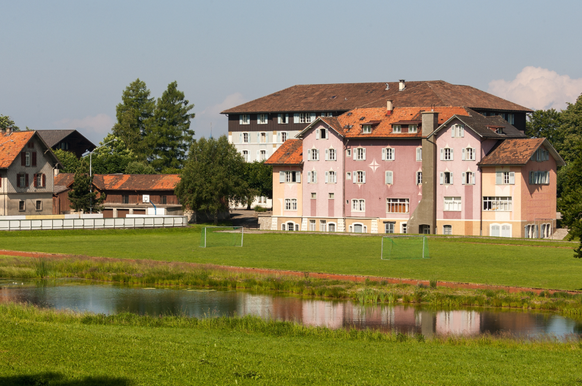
x,y
222,237
404,247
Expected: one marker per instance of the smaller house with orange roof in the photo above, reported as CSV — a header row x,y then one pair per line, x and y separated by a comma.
x,y
126,194
26,174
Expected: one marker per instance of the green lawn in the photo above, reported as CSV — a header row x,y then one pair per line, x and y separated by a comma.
x,y
519,263
43,348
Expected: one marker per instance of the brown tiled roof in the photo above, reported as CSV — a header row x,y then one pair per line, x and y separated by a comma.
x,y
347,96
289,153
52,137
11,146
136,181
518,152
484,126
63,180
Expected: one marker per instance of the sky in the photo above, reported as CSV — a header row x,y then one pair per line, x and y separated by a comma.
x,y
65,64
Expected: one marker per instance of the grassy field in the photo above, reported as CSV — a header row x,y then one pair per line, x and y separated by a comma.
x,y
41,347
499,261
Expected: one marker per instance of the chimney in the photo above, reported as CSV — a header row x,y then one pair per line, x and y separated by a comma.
x,y
8,131
401,85
389,107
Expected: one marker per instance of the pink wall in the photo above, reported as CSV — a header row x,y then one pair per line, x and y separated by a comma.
x,y
539,201
470,194
322,205
375,191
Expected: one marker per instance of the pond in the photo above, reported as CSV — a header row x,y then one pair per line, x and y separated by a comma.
x,y
200,303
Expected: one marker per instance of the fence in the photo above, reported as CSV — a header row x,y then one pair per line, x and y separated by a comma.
x,y
93,223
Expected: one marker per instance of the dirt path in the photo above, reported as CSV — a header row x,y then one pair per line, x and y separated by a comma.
x,y
314,275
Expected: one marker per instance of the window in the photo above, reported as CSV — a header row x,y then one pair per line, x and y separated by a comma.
x,y
539,178
389,177
359,177
28,158
418,178
348,152
503,230
447,229
305,117
366,129
64,146
397,205
511,119
458,130
389,227
322,225
283,136
358,205
348,176
312,225
468,154
263,155
244,137
125,199
163,200
358,228
331,196
330,177
313,155
412,128
419,153
546,230
290,204
446,178
21,206
263,137
291,176
452,204
321,133
262,119
446,154
505,178
39,180
396,129
283,119
312,177
331,227
22,180
360,154
468,178
38,205
499,204
388,154
541,155
244,119
327,114
313,195
245,154
330,155
404,228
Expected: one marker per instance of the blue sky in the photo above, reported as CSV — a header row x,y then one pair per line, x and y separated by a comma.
x,y
66,63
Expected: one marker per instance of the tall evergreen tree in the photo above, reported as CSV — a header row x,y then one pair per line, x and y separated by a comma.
x,y
82,197
168,134
133,113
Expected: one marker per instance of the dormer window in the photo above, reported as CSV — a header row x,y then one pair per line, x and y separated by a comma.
x,y
412,128
499,130
397,129
366,129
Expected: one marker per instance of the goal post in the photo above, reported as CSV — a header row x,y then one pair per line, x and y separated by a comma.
x,y
221,236
404,247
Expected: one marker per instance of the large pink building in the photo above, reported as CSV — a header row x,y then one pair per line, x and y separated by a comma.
x,y
432,169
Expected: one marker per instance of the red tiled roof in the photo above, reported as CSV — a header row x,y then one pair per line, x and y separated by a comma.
x,y
125,181
11,145
289,153
64,179
347,96
358,117
518,152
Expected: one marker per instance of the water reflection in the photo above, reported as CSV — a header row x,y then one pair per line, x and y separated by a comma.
x,y
333,314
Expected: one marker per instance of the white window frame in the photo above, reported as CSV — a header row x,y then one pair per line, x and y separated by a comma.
x,y
245,155
313,155
331,196
504,178
330,177
283,136
322,225
539,177
348,175
330,154
312,225
283,119
419,177
458,130
291,204
348,152
497,204
468,178
244,119
389,226
501,228
312,177
447,229
366,129
358,205
397,203
388,154
245,137
413,128
446,178
419,153
262,119
359,177
396,129
469,153
359,154
305,117
453,204
447,154
389,177
331,225
263,137
262,155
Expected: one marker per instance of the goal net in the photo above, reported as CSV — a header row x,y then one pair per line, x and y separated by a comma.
x,y
224,236
404,247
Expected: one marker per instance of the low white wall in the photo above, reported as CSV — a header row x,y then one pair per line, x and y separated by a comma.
x,y
93,223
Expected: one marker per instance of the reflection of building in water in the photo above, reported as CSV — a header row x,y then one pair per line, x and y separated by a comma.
x,y
288,309
324,313
259,305
458,323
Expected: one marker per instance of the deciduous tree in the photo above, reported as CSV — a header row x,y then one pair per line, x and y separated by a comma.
x,y
212,177
7,123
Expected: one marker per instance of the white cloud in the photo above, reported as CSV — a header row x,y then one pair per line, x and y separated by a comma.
x,y
231,101
211,116
538,88
94,128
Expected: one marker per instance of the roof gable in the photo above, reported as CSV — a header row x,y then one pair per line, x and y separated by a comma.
x,y
11,145
289,153
518,152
